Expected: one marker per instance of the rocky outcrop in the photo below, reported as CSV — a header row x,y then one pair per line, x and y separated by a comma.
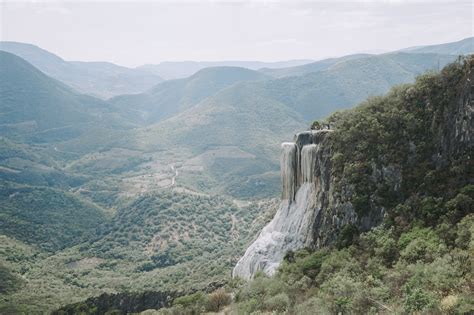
x,y
455,127
315,206
305,172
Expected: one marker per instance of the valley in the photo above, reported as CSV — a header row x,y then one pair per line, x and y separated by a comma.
x,y
161,185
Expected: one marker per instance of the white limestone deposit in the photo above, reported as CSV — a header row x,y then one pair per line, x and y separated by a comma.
x,y
292,226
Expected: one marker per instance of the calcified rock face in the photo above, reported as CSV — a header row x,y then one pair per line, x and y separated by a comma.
x,y
305,172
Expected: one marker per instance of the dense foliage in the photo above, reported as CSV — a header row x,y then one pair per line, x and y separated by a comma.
x,y
421,270
163,241
164,229
401,131
49,218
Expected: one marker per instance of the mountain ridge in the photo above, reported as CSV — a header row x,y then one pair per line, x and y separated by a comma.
x,y
462,47
174,96
102,79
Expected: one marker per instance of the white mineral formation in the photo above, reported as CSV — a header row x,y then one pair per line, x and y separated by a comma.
x,y
292,226
288,170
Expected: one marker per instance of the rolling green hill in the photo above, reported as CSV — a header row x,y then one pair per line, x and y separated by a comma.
x,y
49,218
312,90
33,165
238,119
172,97
101,79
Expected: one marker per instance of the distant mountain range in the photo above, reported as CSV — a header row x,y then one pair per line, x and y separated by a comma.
x,y
105,79
181,69
100,79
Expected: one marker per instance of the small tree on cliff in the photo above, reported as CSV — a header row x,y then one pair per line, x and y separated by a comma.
x,y
316,125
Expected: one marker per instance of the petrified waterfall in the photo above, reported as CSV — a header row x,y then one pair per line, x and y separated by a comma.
x,y
288,170
304,175
308,162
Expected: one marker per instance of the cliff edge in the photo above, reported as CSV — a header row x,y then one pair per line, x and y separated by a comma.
x,y
378,162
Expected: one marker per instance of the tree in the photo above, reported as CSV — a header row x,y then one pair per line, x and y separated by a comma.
x,y
217,300
316,125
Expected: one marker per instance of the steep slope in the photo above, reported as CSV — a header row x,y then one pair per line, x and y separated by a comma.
x,y
172,97
37,108
102,79
171,70
401,158
462,47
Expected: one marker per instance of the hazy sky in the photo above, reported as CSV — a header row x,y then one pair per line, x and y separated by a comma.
x,y
134,33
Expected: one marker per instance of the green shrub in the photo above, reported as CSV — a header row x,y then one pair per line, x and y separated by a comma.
x,y
465,233
420,244
195,301
217,300
416,299
277,303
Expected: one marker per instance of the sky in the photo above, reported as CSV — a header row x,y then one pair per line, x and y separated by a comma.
x,y
140,32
